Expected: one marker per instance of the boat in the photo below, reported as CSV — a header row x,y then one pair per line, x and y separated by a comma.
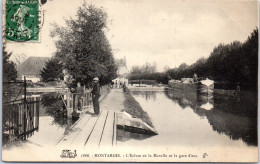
x,y
204,87
126,122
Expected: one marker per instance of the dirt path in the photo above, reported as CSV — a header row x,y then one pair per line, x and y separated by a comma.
x,y
113,101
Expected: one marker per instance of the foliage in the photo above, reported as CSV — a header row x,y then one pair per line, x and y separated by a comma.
x,y
146,68
52,70
83,48
53,102
9,68
55,107
234,63
159,77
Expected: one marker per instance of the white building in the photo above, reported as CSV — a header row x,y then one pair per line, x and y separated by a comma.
x,y
122,72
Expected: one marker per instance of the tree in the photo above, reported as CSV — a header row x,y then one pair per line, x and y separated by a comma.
x,y
234,63
52,70
149,68
166,68
136,70
9,69
83,48
250,59
146,68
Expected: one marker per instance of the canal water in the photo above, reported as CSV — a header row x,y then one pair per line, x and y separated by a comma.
x,y
186,120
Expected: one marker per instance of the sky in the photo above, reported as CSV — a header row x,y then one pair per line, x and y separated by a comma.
x,y
165,32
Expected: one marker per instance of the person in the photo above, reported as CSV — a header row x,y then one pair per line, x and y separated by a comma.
x,y
78,95
124,87
112,84
195,78
95,95
116,84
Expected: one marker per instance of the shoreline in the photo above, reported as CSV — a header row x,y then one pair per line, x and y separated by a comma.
x,y
133,107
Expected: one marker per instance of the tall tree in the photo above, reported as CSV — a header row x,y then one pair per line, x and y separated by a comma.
x,y
52,70
149,68
83,48
136,70
234,63
9,69
146,68
250,68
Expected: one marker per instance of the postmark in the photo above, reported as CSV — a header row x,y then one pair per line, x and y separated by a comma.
x,y
22,20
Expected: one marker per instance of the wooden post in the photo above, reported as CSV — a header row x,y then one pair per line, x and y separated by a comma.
x,y
24,122
25,110
68,106
34,111
38,113
84,98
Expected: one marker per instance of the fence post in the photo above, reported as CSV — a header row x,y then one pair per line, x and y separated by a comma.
x,y
24,121
84,98
34,112
38,113
69,113
25,110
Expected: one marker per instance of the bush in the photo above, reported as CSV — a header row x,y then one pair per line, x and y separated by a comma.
x,y
53,103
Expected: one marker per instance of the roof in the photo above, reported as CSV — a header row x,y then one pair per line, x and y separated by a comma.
x,y
32,66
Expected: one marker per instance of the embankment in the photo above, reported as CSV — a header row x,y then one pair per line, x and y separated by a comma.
x,y
133,107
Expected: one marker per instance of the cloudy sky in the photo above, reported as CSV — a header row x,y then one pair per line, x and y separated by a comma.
x,y
167,32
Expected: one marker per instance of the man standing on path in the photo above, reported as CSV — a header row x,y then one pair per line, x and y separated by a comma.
x,y
78,97
95,95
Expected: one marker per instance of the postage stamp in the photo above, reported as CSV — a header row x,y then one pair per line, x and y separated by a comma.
x,y
21,20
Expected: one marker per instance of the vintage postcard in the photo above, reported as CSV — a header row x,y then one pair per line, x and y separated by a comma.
x,y
130,81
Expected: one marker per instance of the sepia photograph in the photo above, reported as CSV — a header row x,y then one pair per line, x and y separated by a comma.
x,y
130,80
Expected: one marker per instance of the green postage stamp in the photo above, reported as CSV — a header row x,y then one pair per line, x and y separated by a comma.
x,y
21,20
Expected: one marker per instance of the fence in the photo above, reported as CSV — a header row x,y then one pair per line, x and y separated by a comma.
x,y
20,116
71,99
71,103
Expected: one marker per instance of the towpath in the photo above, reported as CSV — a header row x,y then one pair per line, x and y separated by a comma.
x,y
113,101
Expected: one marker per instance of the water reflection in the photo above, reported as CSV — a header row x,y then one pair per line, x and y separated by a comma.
x,y
235,117
147,95
123,136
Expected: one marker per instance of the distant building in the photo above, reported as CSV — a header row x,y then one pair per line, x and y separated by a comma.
x,y
31,68
122,71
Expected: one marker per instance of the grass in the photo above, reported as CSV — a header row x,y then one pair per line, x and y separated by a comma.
x,y
132,107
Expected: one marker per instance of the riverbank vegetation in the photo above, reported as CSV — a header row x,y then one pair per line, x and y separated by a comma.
x,y
53,104
132,107
9,67
235,63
